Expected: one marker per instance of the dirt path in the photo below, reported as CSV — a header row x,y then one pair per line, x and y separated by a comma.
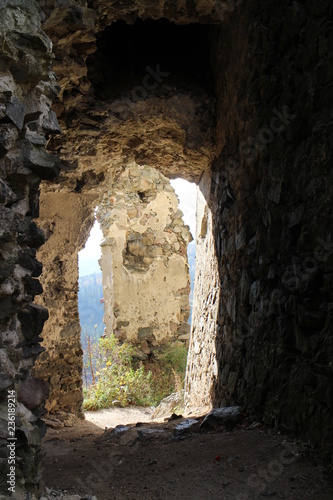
x,y
151,461
118,416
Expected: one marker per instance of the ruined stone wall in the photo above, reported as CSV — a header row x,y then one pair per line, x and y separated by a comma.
x,y
66,219
26,90
201,363
271,200
171,129
146,282
100,134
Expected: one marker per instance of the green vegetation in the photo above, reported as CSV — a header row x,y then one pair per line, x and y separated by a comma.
x,y
168,371
117,379
112,373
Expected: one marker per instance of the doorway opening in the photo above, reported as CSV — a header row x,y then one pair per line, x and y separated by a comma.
x,y
138,355
90,301
175,136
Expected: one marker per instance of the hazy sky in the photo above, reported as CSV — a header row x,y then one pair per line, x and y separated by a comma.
x,y
88,257
187,194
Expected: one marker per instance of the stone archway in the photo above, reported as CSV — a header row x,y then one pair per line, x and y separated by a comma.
x,y
266,158
169,125
66,231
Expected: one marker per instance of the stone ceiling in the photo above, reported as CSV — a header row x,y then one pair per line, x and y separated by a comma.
x,y
171,128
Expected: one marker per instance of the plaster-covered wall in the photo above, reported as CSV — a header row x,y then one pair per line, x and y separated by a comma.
x,y
146,282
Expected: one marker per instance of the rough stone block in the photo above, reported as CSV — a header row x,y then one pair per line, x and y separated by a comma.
x,y
184,328
6,381
43,164
32,392
30,234
50,123
8,137
145,333
32,320
32,286
15,111
229,417
27,259
7,195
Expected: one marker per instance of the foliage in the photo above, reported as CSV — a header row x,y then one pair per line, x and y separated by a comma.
x,y
110,371
117,380
122,381
175,357
168,371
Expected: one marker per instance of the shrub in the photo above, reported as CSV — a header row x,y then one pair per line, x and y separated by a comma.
x,y
168,371
118,380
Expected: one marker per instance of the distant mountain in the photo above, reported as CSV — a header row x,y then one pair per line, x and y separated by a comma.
x,y
91,308
88,265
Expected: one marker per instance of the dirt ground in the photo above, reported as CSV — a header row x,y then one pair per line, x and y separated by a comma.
x,y
160,461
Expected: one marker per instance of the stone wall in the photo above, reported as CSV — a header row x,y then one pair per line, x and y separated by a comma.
x,y
269,206
66,219
26,91
202,362
102,134
271,200
146,282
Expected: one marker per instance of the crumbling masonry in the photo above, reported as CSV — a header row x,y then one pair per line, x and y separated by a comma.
x,y
235,96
